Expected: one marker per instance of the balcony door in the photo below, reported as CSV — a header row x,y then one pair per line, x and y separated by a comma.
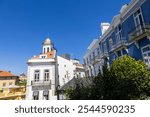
x,y
36,75
45,95
118,33
46,75
138,21
36,95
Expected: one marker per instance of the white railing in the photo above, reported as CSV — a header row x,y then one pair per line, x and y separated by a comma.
x,y
40,82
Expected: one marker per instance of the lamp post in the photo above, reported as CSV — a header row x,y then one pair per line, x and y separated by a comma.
x,y
58,92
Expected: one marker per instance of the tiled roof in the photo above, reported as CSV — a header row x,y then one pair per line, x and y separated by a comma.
x,y
49,55
5,74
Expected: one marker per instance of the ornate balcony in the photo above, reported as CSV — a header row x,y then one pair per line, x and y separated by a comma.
x,y
139,32
119,44
40,83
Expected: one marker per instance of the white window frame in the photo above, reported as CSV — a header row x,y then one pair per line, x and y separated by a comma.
x,y
46,75
45,96
43,56
138,26
143,53
36,75
118,33
37,96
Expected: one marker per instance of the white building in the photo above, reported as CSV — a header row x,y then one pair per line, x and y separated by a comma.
x,y
95,57
92,61
69,69
42,74
47,71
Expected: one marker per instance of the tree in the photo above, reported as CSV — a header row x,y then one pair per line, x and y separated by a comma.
x,y
125,79
132,78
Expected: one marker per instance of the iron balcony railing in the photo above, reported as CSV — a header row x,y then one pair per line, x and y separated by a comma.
x,y
118,44
140,31
40,82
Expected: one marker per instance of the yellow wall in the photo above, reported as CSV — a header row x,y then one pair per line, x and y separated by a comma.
x,y
14,93
8,80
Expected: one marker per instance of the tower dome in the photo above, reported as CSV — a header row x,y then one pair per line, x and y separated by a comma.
x,y
47,41
47,45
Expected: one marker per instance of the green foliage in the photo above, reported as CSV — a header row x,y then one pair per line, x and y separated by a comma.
x,y
80,91
126,79
132,78
22,83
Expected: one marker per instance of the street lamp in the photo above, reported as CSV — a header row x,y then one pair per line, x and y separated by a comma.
x,y
58,91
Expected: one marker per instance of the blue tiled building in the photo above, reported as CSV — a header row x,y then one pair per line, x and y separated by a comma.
x,y
129,33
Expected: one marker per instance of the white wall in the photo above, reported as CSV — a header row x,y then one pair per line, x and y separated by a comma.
x,y
65,66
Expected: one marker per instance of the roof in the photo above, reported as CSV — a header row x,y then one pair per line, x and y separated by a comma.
x,y
5,74
48,54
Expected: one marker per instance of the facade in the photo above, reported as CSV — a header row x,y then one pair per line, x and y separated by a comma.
x,y
69,69
13,93
47,72
8,87
7,79
42,78
128,34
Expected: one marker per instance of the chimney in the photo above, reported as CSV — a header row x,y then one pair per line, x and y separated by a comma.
x,y
104,27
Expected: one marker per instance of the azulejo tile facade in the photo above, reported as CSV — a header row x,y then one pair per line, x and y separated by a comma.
x,y
129,33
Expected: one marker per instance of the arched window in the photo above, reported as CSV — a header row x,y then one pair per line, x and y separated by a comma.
x,y
48,49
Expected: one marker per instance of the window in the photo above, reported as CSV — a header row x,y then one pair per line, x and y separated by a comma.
x,y
4,84
48,49
45,95
110,42
118,33
36,75
98,52
105,47
90,58
93,55
146,55
42,56
10,84
138,19
36,95
46,75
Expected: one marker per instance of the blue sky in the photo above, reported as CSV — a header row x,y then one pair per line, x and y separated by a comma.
x,y
71,24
